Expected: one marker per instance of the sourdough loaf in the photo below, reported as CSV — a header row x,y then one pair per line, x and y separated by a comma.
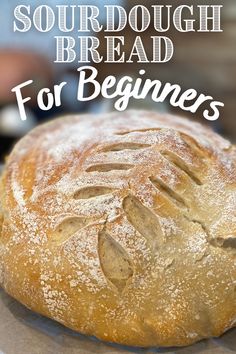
x,y
123,226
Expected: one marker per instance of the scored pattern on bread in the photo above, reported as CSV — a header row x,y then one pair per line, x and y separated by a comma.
x,y
139,131
167,191
123,226
120,270
109,167
67,228
144,221
179,163
125,146
225,242
194,146
92,192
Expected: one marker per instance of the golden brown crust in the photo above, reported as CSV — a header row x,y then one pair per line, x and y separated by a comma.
x,y
123,227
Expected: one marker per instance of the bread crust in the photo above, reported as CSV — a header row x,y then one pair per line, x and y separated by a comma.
x,y
122,226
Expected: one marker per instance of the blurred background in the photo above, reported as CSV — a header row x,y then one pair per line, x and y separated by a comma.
x,y
204,61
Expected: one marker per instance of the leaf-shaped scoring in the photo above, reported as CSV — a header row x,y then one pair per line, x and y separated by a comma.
x,y
67,228
144,221
114,260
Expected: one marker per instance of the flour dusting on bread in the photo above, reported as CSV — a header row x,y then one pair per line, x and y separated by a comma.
x,y
123,226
